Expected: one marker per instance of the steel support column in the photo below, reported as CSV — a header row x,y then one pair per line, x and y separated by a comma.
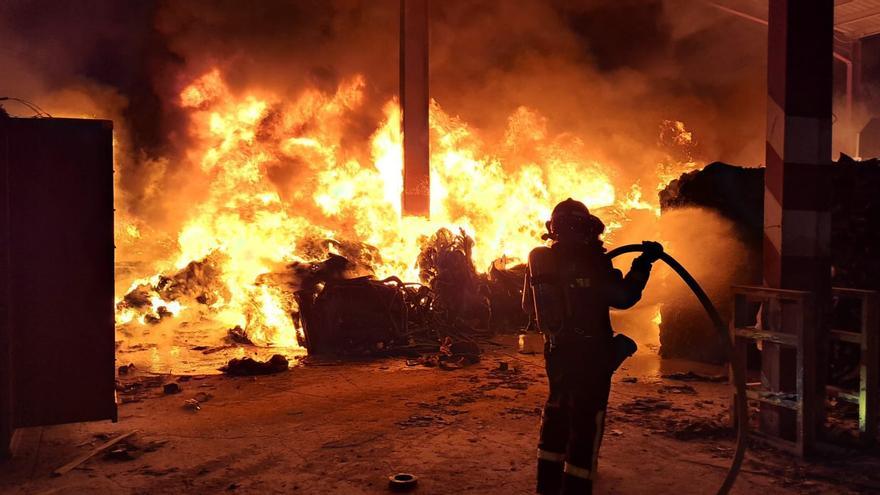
x,y
414,103
6,411
797,220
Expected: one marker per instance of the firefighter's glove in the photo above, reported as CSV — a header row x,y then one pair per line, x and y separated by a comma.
x,y
653,251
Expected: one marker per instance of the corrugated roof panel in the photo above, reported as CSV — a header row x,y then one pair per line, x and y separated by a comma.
x,y
857,18
853,18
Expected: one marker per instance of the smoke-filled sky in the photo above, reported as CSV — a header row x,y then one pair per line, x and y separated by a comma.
x,y
607,71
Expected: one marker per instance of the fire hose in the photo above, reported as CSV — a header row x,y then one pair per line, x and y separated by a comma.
x,y
739,380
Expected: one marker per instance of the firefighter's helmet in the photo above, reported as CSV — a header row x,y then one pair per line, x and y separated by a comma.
x,y
572,219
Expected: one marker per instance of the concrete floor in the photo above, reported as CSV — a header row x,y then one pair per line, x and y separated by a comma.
x,y
333,427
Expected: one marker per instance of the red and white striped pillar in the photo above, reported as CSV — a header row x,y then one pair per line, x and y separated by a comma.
x,y
797,219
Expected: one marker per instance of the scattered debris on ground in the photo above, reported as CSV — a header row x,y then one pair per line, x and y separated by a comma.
x,y
693,428
126,369
690,376
129,450
195,403
192,405
454,355
136,389
677,389
422,421
521,411
95,451
641,405
451,355
250,366
171,388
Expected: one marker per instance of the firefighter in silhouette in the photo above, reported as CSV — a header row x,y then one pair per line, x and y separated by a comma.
x,y
569,288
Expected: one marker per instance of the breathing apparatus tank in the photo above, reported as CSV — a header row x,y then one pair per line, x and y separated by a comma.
x,y
548,299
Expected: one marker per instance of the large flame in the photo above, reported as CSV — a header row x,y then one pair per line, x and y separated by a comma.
x,y
257,224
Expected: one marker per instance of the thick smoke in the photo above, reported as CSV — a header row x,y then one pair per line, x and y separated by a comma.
x,y
606,73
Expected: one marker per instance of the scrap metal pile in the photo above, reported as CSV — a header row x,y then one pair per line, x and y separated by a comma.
x,y
451,304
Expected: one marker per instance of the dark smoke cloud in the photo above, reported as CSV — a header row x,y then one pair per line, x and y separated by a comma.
x,y
605,71
90,43
609,71
98,59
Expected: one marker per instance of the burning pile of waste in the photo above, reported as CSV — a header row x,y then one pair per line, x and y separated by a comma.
x,y
343,309
297,239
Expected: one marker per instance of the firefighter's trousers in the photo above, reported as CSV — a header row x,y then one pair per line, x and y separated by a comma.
x,y
579,371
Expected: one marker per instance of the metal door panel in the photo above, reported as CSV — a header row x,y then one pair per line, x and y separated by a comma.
x,y
59,233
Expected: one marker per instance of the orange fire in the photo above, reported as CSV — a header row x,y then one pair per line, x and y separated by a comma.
x,y
258,226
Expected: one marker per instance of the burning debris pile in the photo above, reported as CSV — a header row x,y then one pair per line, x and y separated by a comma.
x,y
164,296
343,309
297,240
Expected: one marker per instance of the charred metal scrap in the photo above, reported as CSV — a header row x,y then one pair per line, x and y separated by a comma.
x,y
353,316
438,316
446,266
505,287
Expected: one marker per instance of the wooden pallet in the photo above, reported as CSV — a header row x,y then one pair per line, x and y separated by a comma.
x,y
784,317
868,339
